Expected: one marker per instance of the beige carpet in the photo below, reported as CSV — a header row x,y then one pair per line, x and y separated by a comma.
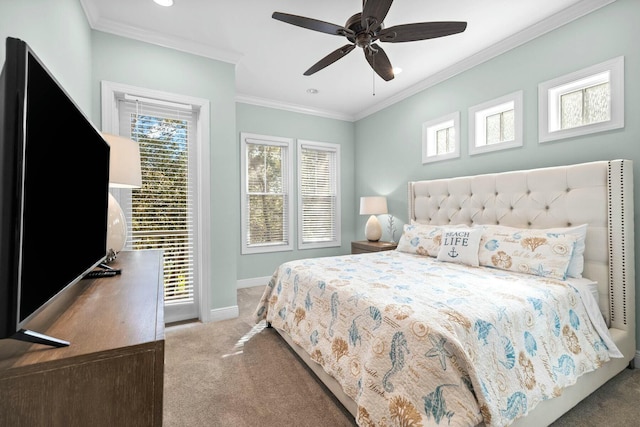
x,y
234,374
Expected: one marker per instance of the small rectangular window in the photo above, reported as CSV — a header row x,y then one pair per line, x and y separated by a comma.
x,y
587,101
266,194
496,124
440,138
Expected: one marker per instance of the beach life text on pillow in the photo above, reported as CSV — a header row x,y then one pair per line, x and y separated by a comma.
x,y
460,245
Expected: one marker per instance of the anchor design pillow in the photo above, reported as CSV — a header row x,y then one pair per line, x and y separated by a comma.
x,y
460,245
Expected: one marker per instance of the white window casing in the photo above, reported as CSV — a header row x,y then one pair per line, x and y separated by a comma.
x,y
450,124
182,222
550,93
270,185
507,113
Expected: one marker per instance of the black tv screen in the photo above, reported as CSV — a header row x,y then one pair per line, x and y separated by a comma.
x,y
53,190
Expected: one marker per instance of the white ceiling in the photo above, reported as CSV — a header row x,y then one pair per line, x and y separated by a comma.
x,y
271,56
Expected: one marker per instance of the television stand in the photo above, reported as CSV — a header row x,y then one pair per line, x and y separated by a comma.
x,y
36,338
112,373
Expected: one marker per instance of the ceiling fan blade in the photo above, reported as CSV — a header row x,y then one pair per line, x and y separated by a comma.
x,y
379,61
420,31
374,12
311,24
330,59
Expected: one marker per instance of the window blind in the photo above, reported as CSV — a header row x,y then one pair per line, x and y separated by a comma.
x,y
318,194
160,215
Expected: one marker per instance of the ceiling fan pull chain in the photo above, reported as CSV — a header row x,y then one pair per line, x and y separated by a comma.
x,y
373,78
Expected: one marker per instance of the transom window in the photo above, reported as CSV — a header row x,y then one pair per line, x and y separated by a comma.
x,y
440,138
496,124
587,101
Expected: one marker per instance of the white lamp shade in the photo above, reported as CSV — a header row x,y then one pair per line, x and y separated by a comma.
x,y
124,162
373,205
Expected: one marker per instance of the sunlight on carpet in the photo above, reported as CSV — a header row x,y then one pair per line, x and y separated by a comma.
x,y
239,346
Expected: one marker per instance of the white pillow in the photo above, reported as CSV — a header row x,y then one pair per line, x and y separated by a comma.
x,y
460,245
529,251
576,263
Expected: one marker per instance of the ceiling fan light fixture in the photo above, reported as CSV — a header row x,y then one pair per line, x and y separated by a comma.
x,y
396,70
165,3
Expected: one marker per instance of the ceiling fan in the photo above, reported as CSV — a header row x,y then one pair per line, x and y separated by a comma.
x,y
364,29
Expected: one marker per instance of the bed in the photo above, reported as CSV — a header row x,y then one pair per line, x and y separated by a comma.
x,y
490,312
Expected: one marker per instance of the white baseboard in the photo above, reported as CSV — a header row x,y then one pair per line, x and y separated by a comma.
x,y
232,312
224,313
255,281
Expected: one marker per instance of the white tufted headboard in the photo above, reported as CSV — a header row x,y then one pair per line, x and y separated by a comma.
x,y
597,193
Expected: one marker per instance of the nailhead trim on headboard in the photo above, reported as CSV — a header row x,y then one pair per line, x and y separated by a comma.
x,y
622,244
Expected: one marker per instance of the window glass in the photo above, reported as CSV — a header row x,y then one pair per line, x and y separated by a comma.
x,y
496,124
440,138
586,101
266,185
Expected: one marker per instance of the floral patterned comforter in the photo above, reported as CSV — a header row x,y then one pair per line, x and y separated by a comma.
x,y
414,341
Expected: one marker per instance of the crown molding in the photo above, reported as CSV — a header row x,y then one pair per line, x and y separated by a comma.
x,y
262,102
90,11
105,25
553,22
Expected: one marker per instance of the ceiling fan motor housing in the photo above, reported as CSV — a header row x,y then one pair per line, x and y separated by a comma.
x,y
361,37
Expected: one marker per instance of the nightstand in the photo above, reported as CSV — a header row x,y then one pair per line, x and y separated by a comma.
x,y
365,246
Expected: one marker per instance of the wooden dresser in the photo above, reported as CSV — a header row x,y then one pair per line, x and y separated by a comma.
x,y
112,373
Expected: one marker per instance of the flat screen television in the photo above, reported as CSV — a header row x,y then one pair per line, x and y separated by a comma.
x,y
54,172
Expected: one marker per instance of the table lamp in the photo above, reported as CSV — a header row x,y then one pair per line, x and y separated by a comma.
x,y
124,172
373,205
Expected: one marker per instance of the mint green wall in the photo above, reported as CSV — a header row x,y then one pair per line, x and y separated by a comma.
x,y
275,122
390,140
60,36
380,153
79,58
131,62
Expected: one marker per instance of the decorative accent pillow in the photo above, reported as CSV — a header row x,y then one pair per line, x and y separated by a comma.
x,y
460,245
530,251
421,239
576,264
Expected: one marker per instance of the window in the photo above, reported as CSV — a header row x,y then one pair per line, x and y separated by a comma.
x,y
587,101
266,193
166,212
496,124
318,195
440,139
